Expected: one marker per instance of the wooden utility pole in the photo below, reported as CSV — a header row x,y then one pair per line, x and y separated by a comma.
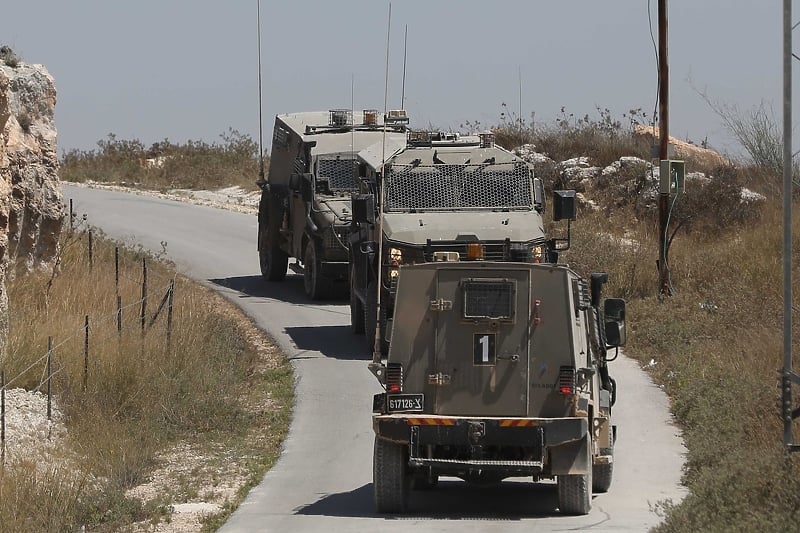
x,y
663,152
788,377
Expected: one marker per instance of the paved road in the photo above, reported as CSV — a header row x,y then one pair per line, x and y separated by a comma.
x,y
323,480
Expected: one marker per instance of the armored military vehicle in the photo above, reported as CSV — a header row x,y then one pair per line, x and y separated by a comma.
x,y
304,212
496,370
438,192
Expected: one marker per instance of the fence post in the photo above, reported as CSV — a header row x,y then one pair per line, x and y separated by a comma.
x,y
3,417
116,269
169,314
85,352
119,315
144,293
91,251
49,381
71,216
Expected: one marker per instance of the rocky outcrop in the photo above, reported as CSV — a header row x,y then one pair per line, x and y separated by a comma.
x,y
34,212
706,157
31,204
629,180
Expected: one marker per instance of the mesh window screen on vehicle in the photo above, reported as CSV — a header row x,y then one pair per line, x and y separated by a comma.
x,y
500,186
489,299
340,173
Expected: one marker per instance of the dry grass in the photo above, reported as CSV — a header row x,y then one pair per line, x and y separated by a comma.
x,y
165,165
717,347
142,395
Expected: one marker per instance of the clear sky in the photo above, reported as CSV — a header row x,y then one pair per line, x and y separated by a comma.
x,y
187,69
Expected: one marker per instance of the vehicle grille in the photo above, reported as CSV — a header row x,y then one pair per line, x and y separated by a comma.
x,y
335,239
442,187
488,299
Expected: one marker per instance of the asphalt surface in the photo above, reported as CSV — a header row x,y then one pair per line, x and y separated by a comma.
x,y
323,479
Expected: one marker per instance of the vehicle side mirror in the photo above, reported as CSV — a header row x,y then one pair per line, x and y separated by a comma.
x,y
564,207
302,184
614,318
363,207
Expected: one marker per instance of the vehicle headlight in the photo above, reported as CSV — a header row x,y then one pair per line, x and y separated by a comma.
x,y
395,256
538,254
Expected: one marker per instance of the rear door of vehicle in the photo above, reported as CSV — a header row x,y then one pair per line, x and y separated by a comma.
x,y
481,346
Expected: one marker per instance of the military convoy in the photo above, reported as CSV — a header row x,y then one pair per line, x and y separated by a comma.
x,y
493,356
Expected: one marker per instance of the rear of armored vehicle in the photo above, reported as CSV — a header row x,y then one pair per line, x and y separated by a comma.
x,y
495,370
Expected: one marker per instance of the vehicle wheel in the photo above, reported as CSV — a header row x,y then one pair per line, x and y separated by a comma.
x,y
273,263
603,473
317,286
390,476
356,308
575,490
370,321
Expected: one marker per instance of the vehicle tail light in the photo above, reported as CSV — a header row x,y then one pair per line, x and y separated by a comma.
x,y
566,380
536,319
475,251
394,377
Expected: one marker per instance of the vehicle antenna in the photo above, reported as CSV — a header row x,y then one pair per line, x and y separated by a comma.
x,y
261,181
521,121
376,354
353,115
403,91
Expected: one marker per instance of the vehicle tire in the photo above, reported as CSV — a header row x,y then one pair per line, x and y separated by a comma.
x,y
316,285
575,490
390,479
273,263
602,474
370,321
356,308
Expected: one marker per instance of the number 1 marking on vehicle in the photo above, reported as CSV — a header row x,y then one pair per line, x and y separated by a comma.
x,y
484,342
483,349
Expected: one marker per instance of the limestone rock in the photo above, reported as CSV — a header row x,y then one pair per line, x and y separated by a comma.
x,y
31,204
684,150
35,212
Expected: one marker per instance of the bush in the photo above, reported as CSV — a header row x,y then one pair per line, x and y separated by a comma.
x,y
194,165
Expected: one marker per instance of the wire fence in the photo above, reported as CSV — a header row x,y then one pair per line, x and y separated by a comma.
x,y
128,318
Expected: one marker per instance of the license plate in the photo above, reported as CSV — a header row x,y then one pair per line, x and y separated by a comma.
x,y
397,403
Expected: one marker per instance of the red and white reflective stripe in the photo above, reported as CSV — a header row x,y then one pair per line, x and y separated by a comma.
x,y
504,423
431,422
516,423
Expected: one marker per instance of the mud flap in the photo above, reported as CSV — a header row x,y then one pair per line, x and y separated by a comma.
x,y
571,458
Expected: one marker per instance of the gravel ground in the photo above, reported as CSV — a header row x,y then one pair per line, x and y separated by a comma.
x,y
28,432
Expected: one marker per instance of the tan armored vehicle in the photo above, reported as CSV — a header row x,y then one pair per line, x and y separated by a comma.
x,y
460,195
496,370
304,211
